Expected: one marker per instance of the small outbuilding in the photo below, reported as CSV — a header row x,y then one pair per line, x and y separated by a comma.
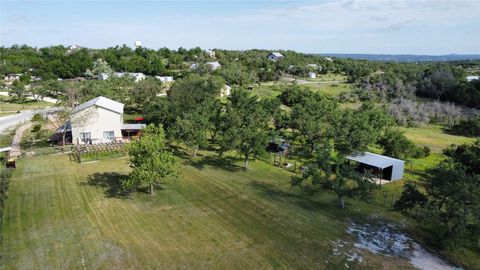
x,y
312,75
472,78
382,166
275,56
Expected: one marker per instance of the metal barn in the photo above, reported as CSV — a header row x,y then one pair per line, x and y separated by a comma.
x,y
385,167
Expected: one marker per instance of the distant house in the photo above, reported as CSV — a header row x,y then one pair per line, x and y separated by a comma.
x,y
164,79
312,75
136,76
226,91
12,77
213,65
100,120
275,56
103,76
329,59
315,66
382,166
73,48
211,53
471,78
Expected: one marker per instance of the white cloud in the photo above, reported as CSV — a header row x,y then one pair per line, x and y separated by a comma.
x,y
379,15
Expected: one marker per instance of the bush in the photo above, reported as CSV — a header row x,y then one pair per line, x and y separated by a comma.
x,y
469,127
36,128
410,197
37,117
419,152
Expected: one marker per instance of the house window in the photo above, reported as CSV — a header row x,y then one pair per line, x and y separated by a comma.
x,y
85,137
109,135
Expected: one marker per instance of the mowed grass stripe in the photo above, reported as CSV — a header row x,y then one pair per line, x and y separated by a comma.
x,y
212,218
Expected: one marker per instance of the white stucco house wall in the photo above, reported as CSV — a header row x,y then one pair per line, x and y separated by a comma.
x,y
164,79
226,91
103,76
275,56
99,120
10,78
211,53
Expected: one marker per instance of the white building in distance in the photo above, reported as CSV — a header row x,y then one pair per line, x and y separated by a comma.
x,y
10,78
165,79
226,91
136,76
213,65
275,56
211,53
471,78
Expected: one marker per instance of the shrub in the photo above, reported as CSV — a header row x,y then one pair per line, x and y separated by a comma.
x,y
36,128
469,127
37,117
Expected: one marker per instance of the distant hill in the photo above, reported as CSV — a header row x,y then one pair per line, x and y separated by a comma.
x,y
407,57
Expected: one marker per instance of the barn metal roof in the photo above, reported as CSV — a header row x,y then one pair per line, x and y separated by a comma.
x,y
376,160
5,149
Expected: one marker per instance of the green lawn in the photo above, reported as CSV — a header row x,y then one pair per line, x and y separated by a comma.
x,y
333,89
9,105
64,215
434,137
6,137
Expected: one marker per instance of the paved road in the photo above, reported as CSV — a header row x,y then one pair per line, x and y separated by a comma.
x,y
15,119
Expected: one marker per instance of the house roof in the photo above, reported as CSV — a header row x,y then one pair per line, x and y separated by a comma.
x,y
277,54
103,102
5,149
214,64
376,160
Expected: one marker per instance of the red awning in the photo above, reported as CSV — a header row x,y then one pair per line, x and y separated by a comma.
x,y
138,119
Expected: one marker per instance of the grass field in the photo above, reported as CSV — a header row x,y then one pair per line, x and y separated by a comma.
x,y
434,137
9,106
333,89
65,215
6,138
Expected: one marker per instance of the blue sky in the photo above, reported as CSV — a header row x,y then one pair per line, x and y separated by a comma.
x,y
344,26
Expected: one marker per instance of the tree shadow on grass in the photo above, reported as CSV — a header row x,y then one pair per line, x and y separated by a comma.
x,y
111,182
305,200
420,174
201,163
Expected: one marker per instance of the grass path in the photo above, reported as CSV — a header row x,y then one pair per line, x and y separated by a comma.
x,y
215,217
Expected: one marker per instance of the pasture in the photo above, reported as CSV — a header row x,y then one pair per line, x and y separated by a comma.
x,y
61,214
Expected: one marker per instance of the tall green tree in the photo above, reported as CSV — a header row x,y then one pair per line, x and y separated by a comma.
x,y
312,117
191,128
333,173
395,144
250,119
151,162
356,129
